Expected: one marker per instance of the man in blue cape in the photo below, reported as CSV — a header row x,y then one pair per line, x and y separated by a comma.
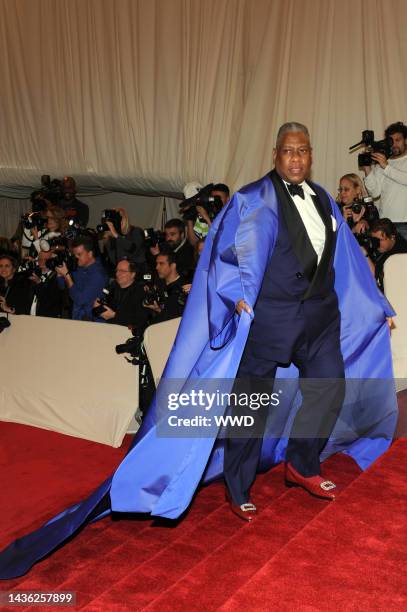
x,y
161,472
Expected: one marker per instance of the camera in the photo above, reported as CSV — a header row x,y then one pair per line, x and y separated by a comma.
x,y
212,204
34,219
106,300
50,190
114,217
370,243
375,146
133,346
371,212
4,323
155,294
29,267
57,242
153,237
152,293
62,257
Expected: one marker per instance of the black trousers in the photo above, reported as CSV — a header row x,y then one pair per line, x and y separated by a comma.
x,y
322,386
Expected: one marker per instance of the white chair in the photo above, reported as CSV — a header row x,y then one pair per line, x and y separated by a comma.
x,y
395,288
158,341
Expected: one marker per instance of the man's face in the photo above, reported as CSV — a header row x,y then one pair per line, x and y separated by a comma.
x,y
124,276
386,243
164,269
85,258
69,195
223,196
399,145
173,236
293,157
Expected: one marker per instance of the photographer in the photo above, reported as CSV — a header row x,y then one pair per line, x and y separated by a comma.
x,y
175,240
124,303
388,242
48,298
387,178
73,208
15,289
356,207
167,298
200,207
33,225
86,283
55,226
122,239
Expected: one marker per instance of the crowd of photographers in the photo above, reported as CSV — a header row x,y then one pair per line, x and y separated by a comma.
x,y
381,231
56,266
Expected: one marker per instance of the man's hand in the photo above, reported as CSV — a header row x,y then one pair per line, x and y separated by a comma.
x,y
112,229
241,305
62,270
381,159
108,313
361,227
35,279
203,214
4,307
390,323
347,212
155,307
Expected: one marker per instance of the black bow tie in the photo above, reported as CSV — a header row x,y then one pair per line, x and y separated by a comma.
x,y
296,190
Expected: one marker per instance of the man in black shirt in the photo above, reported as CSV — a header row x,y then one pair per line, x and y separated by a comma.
x,y
124,302
390,243
74,209
169,287
175,239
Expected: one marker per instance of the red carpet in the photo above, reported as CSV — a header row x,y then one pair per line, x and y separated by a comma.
x,y
300,554
43,472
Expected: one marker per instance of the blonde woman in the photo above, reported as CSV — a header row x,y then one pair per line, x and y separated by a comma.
x,y
351,189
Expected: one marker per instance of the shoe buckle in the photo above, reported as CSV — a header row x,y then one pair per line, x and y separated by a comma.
x,y
327,485
248,507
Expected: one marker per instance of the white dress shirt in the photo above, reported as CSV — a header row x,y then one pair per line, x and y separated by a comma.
x,y
391,185
311,218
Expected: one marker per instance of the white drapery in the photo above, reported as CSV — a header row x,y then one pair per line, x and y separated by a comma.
x,y
142,96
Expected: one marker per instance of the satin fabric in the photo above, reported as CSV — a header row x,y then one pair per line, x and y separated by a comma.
x,y
160,474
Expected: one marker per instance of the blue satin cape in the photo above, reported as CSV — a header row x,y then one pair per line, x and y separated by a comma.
x,y
209,345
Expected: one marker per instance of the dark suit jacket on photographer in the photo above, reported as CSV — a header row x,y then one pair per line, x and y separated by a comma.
x,y
131,246
49,297
76,210
185,260
400,246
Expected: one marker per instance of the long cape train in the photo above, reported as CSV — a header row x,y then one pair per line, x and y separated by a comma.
x,y
209,345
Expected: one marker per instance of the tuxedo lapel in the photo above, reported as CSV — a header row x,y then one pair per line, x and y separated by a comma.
x,y
299,238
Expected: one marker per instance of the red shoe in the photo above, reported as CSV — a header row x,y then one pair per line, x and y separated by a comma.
x,y
247,511
316,485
